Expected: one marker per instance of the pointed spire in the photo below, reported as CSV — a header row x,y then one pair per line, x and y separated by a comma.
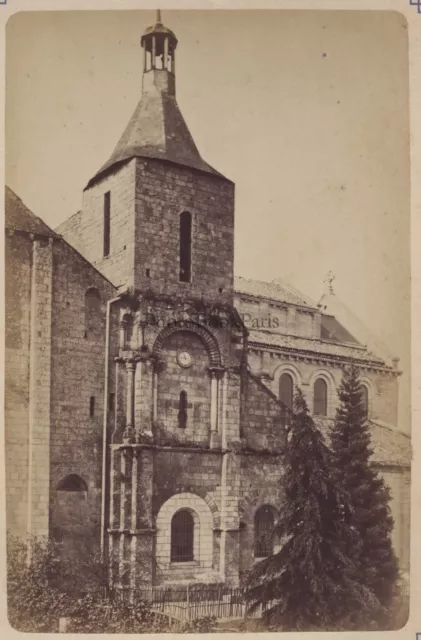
x,y
158,16
157,128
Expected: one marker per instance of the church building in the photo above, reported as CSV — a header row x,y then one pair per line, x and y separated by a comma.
x,y
147,388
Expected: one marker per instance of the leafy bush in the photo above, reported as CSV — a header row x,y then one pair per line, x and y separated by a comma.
x,y
97,614
35,603
201,625
48,589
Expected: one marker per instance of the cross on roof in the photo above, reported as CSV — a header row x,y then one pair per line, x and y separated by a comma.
x,y
330,278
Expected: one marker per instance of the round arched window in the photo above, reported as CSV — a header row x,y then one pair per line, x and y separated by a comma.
x,y
320,397
364,400
286,390
264,522
182,536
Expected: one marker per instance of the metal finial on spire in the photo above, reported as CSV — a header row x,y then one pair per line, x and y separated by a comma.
x,y
330,279
158,16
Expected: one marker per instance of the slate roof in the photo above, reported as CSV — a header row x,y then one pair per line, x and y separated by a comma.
x,y
275,290
331,305
19,218
331,329
390,447
157,130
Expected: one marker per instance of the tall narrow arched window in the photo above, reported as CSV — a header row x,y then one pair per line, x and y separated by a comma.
x,y
182,536
286,390
264,522
320,397
364,400
93,317
127,324
185,246
182,410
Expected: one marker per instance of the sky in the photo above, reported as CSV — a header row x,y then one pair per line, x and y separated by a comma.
x,y
306,111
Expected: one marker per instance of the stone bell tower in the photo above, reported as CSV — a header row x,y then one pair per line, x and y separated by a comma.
x,y
158,222
156,216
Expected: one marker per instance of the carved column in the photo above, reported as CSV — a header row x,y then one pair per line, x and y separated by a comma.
x,y
129,430
122,333
223,386
215,436
155,393
214,402
141,333
144,59
153,52
133,520
165,65
124,513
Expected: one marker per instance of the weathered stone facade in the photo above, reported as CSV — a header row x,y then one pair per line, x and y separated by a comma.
x,y
136,393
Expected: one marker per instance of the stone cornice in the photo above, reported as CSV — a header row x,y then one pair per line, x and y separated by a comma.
x,y
303,355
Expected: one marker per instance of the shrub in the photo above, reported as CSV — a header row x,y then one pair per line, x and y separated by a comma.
x,y
34,600
201,625
48,589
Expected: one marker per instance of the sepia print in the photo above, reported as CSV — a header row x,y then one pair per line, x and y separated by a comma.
x,y
192,443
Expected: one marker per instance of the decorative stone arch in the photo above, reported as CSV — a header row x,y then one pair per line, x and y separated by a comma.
x,y
293,371
205,336
70,515
216,516
93,292
72,482
331,390
252,502
203,529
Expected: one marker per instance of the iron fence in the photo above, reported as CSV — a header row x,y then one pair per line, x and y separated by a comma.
x,y
193,602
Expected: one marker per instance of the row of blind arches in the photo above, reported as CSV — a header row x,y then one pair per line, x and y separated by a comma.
x,y
320,394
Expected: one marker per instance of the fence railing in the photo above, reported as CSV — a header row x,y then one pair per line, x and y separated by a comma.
x,y
193,602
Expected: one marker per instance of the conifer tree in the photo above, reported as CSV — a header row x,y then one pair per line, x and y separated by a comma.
x,y
312,582
371,517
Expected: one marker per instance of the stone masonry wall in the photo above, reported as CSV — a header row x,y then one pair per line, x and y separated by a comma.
x,y
278,317
260,484
194,380
187,472
163,192
261,426
85,230
77,387
40,388
18,260
382,386
399,483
